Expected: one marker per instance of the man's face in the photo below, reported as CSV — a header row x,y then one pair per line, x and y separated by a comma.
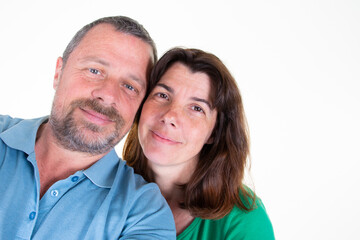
x,y
99,90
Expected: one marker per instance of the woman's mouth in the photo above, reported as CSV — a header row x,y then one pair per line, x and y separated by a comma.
x,y
163,138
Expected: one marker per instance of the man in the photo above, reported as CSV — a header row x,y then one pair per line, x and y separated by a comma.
x,y
60,176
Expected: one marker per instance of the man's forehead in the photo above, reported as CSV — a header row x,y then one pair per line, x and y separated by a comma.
x,y
100,31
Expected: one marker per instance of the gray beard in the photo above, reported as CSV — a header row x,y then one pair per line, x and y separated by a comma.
x,y
72,135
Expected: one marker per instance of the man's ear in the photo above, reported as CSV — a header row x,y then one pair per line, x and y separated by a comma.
x,y
58,70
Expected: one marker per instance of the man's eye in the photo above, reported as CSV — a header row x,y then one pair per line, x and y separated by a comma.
x,y
94,71
130,87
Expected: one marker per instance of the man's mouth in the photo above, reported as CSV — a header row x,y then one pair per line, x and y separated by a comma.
x,y
96,117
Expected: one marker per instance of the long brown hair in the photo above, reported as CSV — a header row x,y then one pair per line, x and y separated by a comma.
x,y
217,182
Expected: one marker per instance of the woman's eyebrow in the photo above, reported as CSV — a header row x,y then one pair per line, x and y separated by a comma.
x,y
202,100
166,87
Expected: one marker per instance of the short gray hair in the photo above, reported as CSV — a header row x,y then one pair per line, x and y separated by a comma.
x,y
122,24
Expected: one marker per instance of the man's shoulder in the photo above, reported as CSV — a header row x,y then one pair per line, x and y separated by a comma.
x,y
134,182
19,133
7,122
131,189
146,210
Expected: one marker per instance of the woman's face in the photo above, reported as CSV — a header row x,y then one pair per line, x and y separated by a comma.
x,y
177,120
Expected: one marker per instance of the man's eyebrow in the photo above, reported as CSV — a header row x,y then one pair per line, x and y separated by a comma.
x,y
97,60
138,80
105,63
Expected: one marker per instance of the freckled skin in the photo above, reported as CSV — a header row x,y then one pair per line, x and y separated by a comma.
x,y
174,125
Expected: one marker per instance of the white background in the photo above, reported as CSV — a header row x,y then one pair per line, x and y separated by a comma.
x,y
297,64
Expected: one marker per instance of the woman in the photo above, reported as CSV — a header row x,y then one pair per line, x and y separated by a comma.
x,y
191,139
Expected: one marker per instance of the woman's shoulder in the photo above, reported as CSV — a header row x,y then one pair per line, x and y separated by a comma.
x,y
252,224
238,224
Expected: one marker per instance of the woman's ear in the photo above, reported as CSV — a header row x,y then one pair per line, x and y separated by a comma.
x,y
58,70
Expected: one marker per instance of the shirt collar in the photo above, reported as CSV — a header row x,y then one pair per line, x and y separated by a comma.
x,y
102,173
22,136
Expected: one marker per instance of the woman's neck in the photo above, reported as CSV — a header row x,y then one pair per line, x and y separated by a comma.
x,y
169,180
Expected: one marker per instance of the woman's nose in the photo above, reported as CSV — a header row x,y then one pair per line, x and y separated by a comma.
x,y
172,116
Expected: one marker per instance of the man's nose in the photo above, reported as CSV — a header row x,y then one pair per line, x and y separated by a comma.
x,y
106,93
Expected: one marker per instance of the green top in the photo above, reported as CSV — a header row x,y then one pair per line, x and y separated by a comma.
x,y
238,224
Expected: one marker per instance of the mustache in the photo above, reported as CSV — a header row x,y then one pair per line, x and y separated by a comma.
x,y
96,106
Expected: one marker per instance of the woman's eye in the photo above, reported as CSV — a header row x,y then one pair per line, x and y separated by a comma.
x,y
198,109
94,71
162,95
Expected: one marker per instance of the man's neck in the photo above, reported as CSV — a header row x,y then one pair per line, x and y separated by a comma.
x,y
55,162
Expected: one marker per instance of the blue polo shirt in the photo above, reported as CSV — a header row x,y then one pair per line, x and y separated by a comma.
x,y
105,201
